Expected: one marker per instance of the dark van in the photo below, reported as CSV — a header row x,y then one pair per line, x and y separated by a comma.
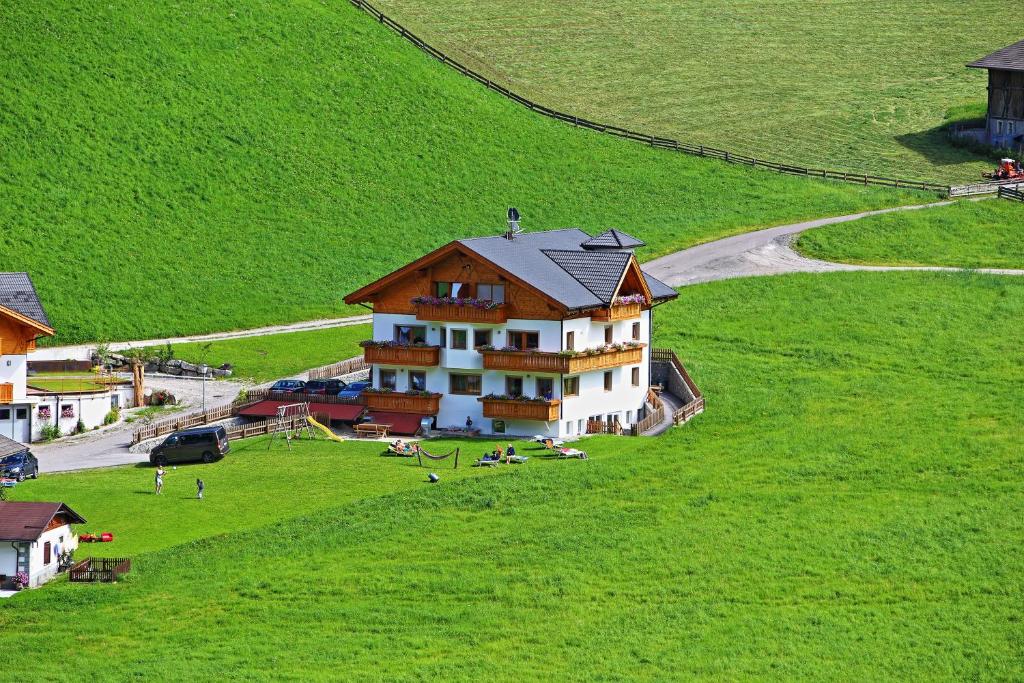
x,y
204,444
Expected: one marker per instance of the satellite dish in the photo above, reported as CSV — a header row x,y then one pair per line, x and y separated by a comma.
x,y
513,213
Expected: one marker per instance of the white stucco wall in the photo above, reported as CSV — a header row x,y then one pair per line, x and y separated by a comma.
x,y
624,401
39,572
8,559
13,370
92,408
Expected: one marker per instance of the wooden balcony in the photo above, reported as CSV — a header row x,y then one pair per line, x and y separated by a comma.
x,y
398,402
543,361
510,409
420,356
6,393
617,312
461,314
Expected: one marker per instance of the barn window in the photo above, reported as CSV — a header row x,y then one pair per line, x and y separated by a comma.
x,y
46,553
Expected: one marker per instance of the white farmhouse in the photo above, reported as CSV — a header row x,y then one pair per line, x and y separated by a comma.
x,y
33,536
523,334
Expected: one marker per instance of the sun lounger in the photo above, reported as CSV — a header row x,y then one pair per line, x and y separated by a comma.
x,y
518,459
572,453
486,462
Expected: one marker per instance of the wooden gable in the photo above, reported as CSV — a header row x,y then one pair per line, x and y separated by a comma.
x,y
18,333
633,282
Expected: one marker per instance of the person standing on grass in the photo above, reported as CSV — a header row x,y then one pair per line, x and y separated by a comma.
x,y
510,453
200,487
469,423
159,480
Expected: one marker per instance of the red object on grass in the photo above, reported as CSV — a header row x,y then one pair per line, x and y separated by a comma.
x,y
106,537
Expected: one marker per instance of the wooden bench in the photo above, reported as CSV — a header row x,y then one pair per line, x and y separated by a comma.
x,y
371,429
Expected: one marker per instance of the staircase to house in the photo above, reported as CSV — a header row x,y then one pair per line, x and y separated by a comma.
x,y
679,400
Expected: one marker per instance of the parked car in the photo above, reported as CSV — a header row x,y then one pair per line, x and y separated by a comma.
x,y
204,444
323,387
353,390
288,385
19,466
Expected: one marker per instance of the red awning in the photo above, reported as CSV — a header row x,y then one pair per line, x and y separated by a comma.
x,y
401,423
345,412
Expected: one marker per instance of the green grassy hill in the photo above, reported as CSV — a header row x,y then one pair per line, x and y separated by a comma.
x,y
965,235
862,86
848,508
174,168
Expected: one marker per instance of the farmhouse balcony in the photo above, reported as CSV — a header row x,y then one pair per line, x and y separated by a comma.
x,y
461,313
545,361
617,312
396,402
512,409
419,356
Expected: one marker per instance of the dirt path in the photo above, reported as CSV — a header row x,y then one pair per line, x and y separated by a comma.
x,y
82,351
770,252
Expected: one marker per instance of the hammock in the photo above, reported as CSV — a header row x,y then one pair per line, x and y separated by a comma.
x,y
431,456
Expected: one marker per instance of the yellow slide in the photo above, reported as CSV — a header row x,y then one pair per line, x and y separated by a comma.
x,y
325,430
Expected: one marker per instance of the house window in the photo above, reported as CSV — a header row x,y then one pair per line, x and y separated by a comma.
x,y
444,337
571,386
568,427
418,380
514,386
608,329
608,380
546,387
481,338
388,379
458,339
498,426
465,384
5,413
579,426
570,341
636,331
21,413
1009,127
410,334
495,293
999,127
629,417
523,340
46,553
452,289
636,377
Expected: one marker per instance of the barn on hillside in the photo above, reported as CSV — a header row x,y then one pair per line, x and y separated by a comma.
x,y
1004,121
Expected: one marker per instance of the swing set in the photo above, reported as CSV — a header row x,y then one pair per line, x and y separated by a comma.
x,y
292,419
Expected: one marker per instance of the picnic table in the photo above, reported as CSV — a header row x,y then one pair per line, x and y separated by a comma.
x,y
372,429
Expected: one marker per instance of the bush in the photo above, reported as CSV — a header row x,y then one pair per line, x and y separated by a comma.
x,y
50,431
113,416
79,427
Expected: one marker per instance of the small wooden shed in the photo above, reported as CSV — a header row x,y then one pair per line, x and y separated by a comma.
x,y
1004,125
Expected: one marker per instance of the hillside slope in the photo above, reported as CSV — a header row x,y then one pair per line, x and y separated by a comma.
x,y
190,167
861,86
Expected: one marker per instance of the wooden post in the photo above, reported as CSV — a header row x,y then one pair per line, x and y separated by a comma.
x,y
138,380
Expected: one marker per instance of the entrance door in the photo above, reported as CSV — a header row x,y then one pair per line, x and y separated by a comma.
x,y
22,430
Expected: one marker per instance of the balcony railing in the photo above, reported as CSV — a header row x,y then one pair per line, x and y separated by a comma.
x,y
420,356
6,393
461,314
617,312
403,403
511,409
545,361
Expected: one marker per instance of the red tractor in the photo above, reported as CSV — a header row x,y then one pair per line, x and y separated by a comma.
x,y
1008,169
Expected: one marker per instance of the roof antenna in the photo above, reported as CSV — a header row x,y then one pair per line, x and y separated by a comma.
x,y
513,224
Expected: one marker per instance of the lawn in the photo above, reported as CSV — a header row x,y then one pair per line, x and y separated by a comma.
x,y
65,382
178,168
862,86
966,235
849,507
273,356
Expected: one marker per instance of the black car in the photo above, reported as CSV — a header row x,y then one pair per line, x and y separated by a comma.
x,y
288,385
204,444
323,387
19,466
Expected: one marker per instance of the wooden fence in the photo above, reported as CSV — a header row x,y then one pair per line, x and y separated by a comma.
x,y
106,569
681,384
267,426
256,395
344,367
182,422
1011,193
652,140
655,414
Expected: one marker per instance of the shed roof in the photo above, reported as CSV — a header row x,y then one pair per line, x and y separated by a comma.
x,y
612,239
18,294
10,447
1009,58
20,521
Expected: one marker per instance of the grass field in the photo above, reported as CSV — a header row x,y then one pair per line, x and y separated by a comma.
x,y
273,356
191,167
966,234
848,508
863,86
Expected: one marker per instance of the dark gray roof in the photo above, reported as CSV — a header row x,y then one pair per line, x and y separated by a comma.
x,y
599,272
10,446
612,239
18,294
556,263
1010,58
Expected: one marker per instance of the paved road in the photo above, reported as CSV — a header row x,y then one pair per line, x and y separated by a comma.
x,y
83,351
